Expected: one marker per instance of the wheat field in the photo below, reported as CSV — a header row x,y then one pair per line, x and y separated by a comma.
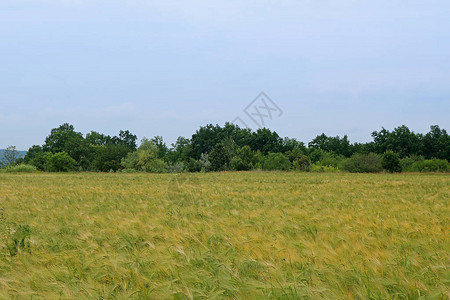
x,y
242,235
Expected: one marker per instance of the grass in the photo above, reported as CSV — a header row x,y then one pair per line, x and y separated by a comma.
x,y
225,235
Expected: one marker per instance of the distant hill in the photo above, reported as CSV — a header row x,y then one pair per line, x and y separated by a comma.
x,y
21,153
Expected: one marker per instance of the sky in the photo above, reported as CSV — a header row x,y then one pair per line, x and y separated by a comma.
x,y
168,67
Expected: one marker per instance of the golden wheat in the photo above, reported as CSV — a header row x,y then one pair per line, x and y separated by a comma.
x,y
242,235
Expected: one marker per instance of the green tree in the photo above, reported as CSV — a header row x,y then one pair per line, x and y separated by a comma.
x,y
219,158
97,139
66,139
9,156
436,143
59,162
276,161
337,145
401,140
109,157
391,162
245,159
180,151
161,147
266,141
145,158
363,163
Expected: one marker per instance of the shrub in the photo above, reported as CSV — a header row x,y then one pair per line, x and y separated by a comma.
x,y
204,163
176,168
23,168
363,163
276,161
144,159
408,162
317,168
59,162
219,158
431,165
301,163
194,165
237,164
245,159
391,162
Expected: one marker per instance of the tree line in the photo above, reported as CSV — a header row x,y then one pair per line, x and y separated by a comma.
x,y
229,147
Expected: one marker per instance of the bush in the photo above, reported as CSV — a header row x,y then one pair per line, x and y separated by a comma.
x,y
431,165
391,162
408,162
219,158
276,161
144,159
23,168
238,164
317,168
176,168
301,163
363,163
59,162
245,159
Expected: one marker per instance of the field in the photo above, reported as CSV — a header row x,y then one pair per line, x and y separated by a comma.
x,y
224,235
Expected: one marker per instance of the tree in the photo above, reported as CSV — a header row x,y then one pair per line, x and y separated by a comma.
x,y
180,151
59,162
436,143
128,139
337,145
97,139
363,163
219,158
109,157
9,156
276,161
266,141
244,161
161,147
401,140
145,158
66,139
391,162
34,151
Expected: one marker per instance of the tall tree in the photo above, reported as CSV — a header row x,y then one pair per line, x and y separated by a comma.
x,y
9,156
436,143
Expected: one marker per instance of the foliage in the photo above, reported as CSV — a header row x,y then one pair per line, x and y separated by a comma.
x,y
436,143
302,163
20,168
146,158
390,162
276,161
407,162
9,156
363,163
177,168
318,168
431,165
58,162
229,147
219,158
337,145
401,140
109,156
244,160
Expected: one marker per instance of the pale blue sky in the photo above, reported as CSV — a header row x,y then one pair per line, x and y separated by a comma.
x,y
168,67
